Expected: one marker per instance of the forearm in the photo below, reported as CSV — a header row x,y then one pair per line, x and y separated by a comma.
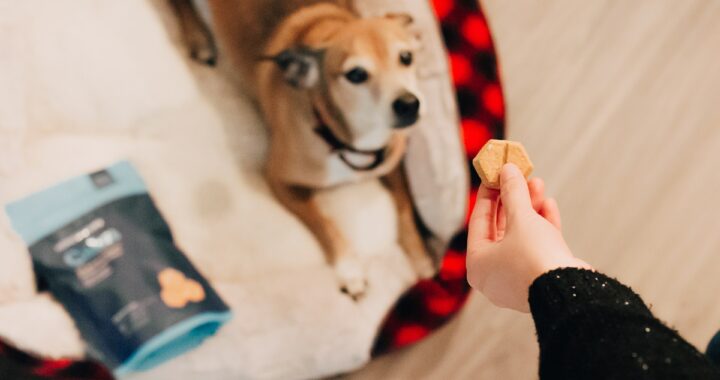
x,y
590,326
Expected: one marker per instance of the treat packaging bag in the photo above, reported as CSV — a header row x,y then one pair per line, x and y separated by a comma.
x,y
101,247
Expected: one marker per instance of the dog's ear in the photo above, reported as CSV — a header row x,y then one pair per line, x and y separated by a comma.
x,y
300,66
404,18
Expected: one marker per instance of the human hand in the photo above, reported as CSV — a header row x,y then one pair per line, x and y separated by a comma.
x,y
514,237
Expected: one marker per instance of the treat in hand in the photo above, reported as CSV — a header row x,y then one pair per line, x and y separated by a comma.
x,y
514,237
489,161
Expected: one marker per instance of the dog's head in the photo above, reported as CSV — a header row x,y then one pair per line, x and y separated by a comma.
x,y
361,76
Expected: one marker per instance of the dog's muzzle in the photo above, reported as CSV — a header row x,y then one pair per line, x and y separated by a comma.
x,y
376,156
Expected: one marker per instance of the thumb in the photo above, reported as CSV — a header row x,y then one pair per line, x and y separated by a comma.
x,y
514,191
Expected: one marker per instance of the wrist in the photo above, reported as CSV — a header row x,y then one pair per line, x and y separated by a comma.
x,y
560,263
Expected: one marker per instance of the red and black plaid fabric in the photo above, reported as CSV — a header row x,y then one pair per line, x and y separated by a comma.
x,y
15,364
431,303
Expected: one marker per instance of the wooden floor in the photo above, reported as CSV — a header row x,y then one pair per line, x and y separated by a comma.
x,y
618,104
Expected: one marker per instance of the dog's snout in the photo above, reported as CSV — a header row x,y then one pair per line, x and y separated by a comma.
x,y
406,107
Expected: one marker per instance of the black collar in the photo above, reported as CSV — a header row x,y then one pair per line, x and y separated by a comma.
x,y
337,145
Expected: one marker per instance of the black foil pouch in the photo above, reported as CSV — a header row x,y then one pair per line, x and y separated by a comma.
x,y
101,247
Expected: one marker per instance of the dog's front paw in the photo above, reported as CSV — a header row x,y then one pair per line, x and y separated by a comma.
x,y
351,276
424,267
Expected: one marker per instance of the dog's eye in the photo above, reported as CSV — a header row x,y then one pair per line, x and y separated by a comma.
x,y
406,58
357,75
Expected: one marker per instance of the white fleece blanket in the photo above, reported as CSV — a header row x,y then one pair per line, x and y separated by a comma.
x,y
84,83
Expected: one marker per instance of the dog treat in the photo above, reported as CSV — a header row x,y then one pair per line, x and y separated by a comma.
x,y
496,153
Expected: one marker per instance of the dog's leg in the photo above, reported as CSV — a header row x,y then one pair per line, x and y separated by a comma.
x,y
196,34
303,203
408,234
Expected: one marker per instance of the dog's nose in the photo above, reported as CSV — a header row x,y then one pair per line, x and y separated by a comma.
x,y
406,109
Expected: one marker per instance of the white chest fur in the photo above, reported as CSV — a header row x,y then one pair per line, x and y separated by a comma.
x,y
365,213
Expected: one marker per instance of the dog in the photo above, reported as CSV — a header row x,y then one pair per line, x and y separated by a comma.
x,y
339,94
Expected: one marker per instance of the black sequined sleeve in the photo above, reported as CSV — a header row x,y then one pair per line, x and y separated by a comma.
x,y
590,326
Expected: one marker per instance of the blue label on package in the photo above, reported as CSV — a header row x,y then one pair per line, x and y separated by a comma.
x,y
104,251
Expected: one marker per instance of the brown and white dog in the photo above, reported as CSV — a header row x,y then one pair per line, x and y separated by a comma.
x,y
339,94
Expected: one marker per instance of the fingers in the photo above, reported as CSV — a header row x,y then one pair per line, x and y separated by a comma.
x,y
514,191
501,221
482,227
548,208
551,212
536,186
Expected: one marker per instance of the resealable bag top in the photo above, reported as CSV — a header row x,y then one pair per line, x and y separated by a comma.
x,y
101,247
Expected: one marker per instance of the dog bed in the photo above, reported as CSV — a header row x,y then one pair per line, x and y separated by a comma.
x,y
89,88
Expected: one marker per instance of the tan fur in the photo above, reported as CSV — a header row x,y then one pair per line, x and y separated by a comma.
x,y
408,233
267,27
250,24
